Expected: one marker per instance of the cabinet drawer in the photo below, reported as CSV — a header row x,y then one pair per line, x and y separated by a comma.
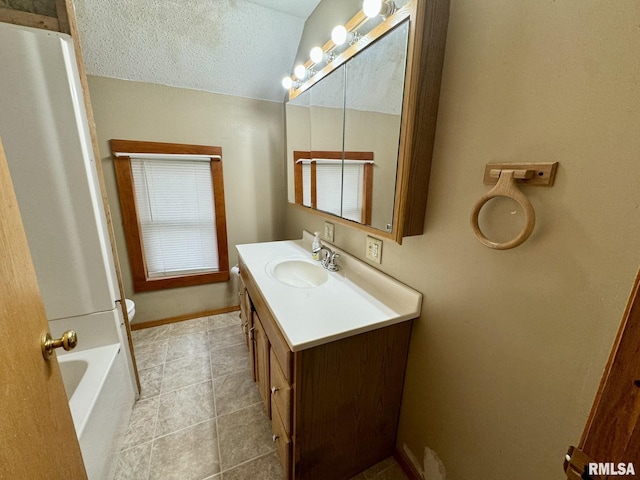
x,y
282,443
280,393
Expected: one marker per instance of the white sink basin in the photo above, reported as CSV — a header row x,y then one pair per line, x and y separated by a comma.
x,y
299,273
313,306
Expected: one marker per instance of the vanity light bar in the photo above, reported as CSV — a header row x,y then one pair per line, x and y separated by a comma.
x,y
172,156
392,18
356,22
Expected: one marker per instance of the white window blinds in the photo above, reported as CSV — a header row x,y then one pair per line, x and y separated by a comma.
x,y
174,200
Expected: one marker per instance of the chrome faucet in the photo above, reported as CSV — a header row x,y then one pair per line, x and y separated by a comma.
x,y
329,260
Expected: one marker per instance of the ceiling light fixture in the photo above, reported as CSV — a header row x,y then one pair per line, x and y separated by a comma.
x,y
340,35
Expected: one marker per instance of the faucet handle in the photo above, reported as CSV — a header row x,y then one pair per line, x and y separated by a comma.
x,y
331,262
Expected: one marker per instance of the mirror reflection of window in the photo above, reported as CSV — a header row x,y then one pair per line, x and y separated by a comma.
x,y
373,113
319,181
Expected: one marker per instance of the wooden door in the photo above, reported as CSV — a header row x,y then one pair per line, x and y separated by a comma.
x,y
611,437
37,438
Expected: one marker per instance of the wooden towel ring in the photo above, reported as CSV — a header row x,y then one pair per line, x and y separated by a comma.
x,y
506,187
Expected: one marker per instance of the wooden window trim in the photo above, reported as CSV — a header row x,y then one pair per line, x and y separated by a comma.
x,y
367,190
124,179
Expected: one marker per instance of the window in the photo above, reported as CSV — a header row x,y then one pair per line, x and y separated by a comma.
x,y
324,182
172,201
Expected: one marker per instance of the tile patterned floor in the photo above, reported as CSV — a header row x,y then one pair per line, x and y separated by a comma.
x,y
199,416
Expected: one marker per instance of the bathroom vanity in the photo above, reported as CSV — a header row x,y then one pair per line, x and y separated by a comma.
x,y
328,351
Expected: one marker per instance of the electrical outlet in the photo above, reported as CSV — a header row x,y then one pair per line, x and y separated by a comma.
x,y
328,231
374,249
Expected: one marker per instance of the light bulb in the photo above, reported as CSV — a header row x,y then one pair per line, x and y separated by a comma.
x,y
300,72
287,83
316,54
371,8
339,35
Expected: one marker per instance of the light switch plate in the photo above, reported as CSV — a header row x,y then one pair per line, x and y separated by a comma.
x,y
328,231
374,249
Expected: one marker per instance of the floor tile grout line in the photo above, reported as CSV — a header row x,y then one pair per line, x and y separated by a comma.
x,y
181,429
172,361
241,408
247,461
215,414
149,461
155,420
186,386
185,356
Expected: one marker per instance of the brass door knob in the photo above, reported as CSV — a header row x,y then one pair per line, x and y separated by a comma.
x,y
68,341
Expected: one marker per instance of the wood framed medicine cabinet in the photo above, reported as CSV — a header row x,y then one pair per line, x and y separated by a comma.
x,y
425,23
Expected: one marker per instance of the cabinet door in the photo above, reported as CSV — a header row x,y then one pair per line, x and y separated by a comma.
x,y
261,354
246,315
280,394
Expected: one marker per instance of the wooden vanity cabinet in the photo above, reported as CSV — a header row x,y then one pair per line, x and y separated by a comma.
x,y
334,408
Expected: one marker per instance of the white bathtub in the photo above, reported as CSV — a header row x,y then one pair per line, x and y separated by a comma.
x,y
100,398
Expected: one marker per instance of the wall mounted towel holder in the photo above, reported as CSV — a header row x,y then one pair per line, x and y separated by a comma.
x,y
506,177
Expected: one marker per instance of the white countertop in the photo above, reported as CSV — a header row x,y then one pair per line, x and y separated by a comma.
x,y
356,299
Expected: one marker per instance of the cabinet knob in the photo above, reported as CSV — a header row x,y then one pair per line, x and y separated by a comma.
x,y
275,437
274,390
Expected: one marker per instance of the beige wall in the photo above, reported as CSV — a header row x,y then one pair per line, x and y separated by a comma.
x,y
250,133
508,352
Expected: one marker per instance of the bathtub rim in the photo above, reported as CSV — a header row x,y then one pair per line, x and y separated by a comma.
x,y
100,361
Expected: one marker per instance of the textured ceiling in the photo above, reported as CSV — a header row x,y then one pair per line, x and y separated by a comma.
x,y
233,47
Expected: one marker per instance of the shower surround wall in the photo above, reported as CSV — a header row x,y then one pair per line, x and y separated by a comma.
x,y
507,355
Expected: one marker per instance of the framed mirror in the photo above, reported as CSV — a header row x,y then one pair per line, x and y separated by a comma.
x,y
369,117
346,163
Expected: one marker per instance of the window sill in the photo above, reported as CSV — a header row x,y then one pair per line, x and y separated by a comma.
x,y
150,284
